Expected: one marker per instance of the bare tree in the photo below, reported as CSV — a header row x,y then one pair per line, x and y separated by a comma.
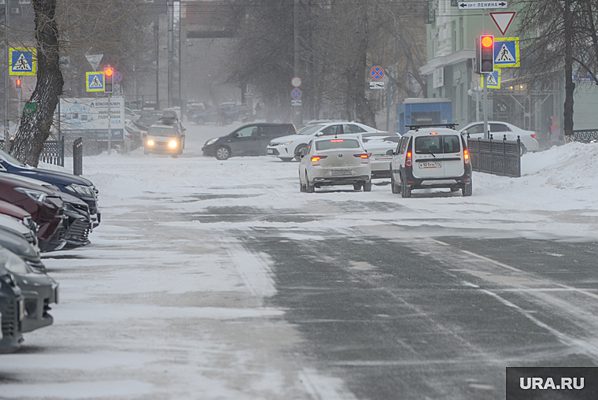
x,y
35,126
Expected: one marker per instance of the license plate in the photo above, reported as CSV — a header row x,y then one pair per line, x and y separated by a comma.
x,y
341,172
270,151
428,164
21,310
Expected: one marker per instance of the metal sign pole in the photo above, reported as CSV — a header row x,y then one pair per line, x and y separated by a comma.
x,y
6,79
485,105
109,122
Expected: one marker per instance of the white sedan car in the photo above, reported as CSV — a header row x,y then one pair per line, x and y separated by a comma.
x,y
289,147
529,141
331,161
381,151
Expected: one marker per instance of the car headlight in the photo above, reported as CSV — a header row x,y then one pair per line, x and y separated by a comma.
x,y
13,263
8,279
173,144
81,190
150,142
36,195
211,141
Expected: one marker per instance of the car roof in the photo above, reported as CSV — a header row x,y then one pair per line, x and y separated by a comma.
x,y
428,131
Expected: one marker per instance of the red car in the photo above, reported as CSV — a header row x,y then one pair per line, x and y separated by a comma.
x,y
43,204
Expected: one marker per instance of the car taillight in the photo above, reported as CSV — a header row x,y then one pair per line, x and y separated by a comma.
x,y
534,136
466,156
363,156
408,160
316,159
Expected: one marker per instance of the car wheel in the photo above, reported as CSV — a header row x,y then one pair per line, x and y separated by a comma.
x,y
393,185
222,153
367,186
357,186
467,189
309,188
298,151
286,159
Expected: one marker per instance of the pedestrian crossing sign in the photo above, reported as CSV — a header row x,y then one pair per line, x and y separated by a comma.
x,y
506,52
95,82
493,79
23,61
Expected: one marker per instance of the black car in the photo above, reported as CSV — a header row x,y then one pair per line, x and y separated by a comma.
x,y
248,140
68,183
12,311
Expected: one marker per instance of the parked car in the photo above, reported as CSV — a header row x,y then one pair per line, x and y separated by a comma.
x,y
290,147
44,205
77,222
431,158
38,289
335,161
248,140
12,310
17,227
18,213
529,139
164,139
67,183
25,249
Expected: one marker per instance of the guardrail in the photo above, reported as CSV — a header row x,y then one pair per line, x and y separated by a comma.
x,y
52,153
498,157
585,135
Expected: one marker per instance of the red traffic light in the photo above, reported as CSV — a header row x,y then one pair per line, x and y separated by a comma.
x,y
18,83
108,71
487,41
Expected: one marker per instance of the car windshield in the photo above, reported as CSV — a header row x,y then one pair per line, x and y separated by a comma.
x,y
161,131
334,144
308,130
11,159
437,144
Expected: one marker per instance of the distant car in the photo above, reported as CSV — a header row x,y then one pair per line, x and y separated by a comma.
x,y
335,161
290,147
529,139
12,310
38,289
248,140
164,139
431,158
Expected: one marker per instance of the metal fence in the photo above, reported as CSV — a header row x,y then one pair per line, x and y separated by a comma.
x,y
585,135
498,157
52,153
78,156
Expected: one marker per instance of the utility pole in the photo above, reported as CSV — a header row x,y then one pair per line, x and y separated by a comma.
x,y
569,84
157,37
485,105
170,5
6,79
181,103
297,110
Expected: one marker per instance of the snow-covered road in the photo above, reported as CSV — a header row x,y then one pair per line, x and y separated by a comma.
x,y
182,294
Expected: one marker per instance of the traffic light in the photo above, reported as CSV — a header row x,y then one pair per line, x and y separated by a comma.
x,y
19,83
486,45
108,78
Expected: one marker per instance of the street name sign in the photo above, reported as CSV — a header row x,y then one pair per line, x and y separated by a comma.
x,y
477,5
503,20
95,82
506,52
23,61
